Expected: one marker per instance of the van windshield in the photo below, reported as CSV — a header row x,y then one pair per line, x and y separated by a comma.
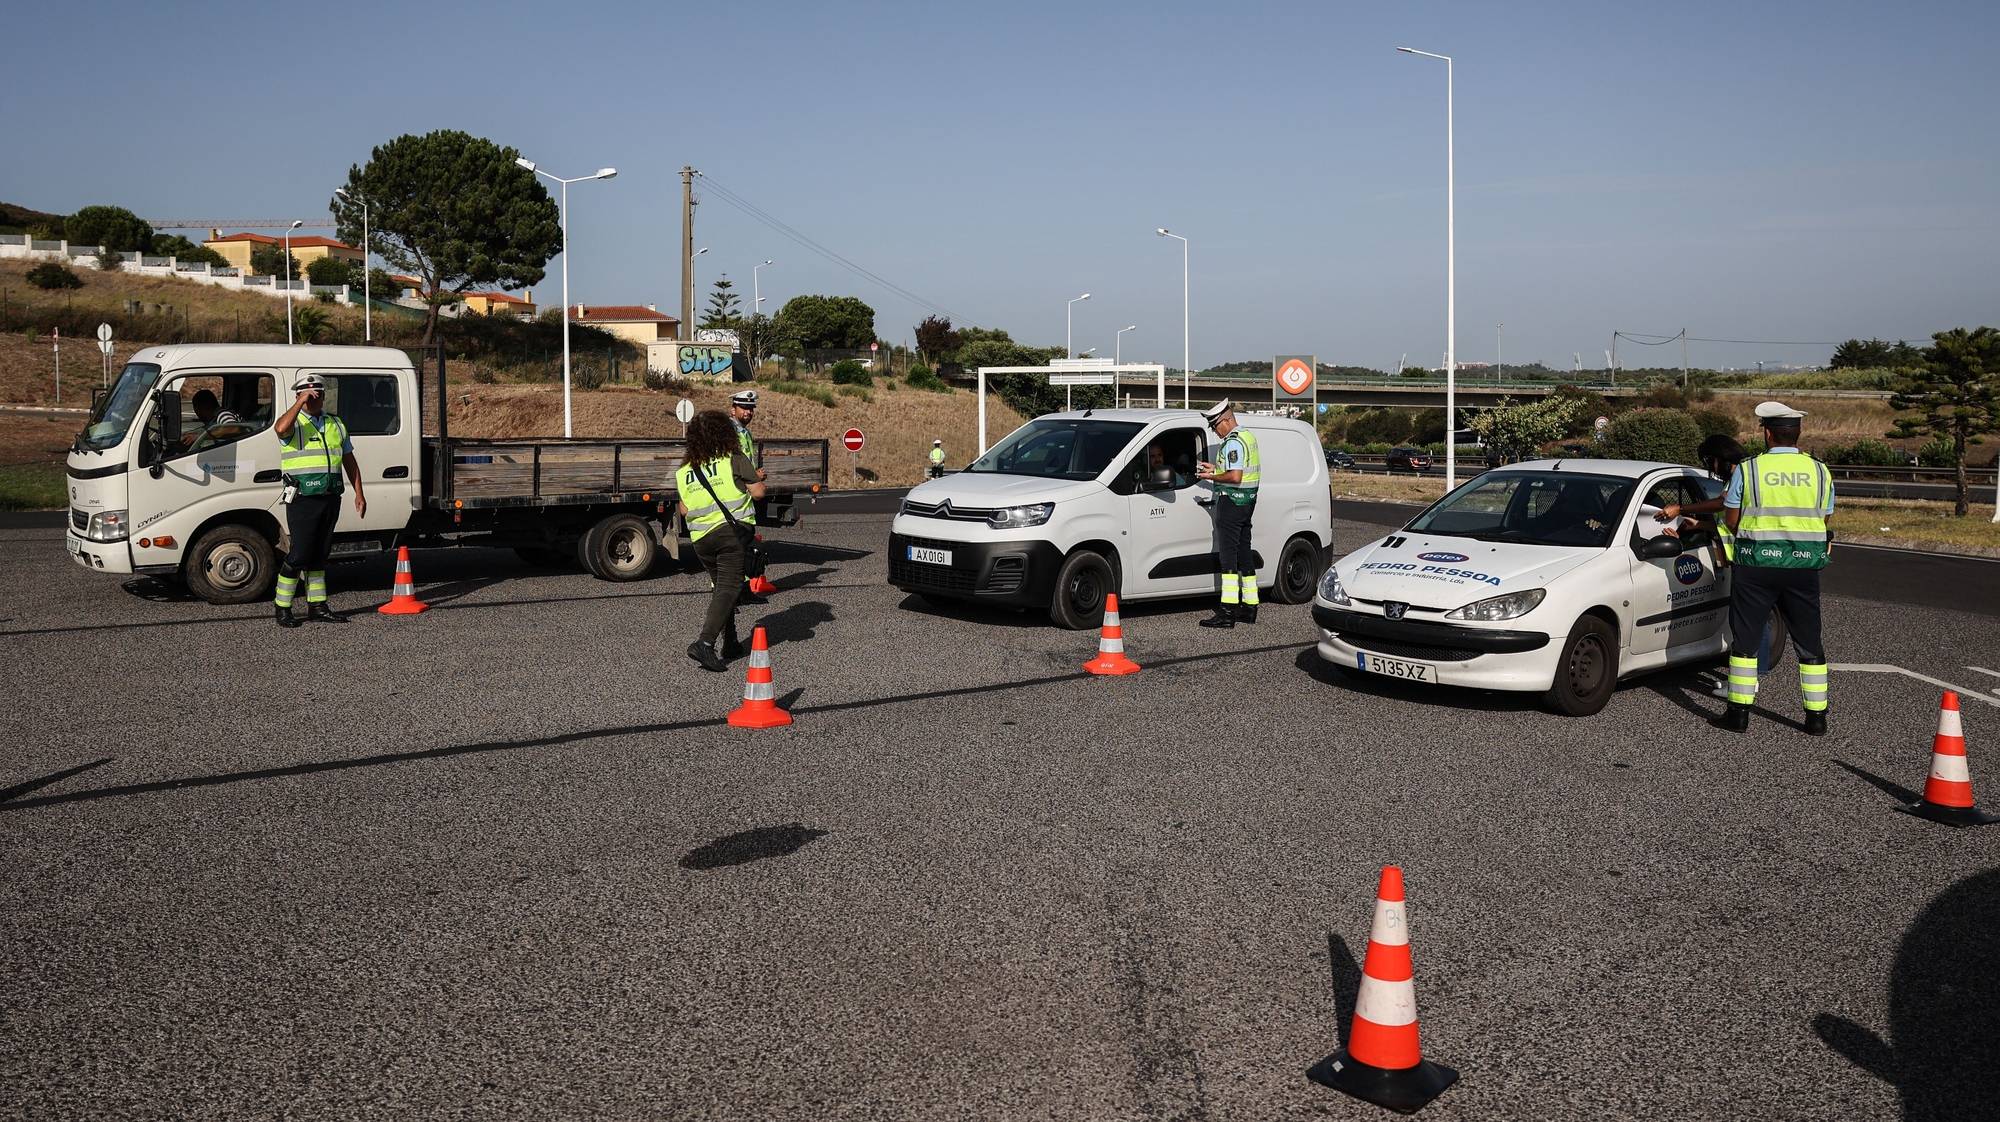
x,y
108,427
1058,448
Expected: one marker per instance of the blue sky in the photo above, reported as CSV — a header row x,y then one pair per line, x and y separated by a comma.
x,y
1761,171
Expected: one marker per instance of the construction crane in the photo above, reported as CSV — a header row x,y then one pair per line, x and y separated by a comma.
x,y
237,223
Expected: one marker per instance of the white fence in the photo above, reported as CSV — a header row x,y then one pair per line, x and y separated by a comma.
x,y
21,246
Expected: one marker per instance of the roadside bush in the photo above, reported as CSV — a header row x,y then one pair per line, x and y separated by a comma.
x,y
921,378
1427,427
1936,453
855,391
333,272
1864,453
1667,435
309,322
1379,426
807,390
109,262
484,375
51,275
668,382
848,372
1714,422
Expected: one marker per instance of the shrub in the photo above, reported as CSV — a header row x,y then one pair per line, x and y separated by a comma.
x,y
271,261
333,271
1714,422
668,382
854,391
484,375
183,250
309,322
109,261
921,378
848,372
586,375
1936,453
1666,435
1379,426
1864,453
807,390
49,274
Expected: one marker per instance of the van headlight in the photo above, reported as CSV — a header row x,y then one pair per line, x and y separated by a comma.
x,y
106,526
1500,607
1017,517
1331,590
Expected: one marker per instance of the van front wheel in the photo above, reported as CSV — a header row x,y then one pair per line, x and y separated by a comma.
x,y
1299,569
1081,585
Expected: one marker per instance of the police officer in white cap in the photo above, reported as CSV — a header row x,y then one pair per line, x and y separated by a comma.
x,y
1776,507
937,459
743,410
1235,475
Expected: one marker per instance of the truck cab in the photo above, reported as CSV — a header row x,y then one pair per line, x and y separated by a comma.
x,y
177,472
1072,506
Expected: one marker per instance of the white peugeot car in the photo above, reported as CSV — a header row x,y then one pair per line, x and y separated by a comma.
x,y
1551,577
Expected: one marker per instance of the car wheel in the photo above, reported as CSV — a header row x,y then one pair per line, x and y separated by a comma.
x,y
232,564
1588,670
619,548
1081,585
1299,569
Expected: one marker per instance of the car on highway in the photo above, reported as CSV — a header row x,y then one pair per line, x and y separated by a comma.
x,y
1338,460
1552,577
1408,459
1072,506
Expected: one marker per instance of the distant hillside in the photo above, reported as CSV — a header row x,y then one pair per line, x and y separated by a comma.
x,y
16,219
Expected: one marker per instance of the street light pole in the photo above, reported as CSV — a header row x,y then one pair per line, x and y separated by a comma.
x,y
1069,317
288,280
1450,280
367,300
756,290
1069,392
1118,344
1187,374
1499,368
601,173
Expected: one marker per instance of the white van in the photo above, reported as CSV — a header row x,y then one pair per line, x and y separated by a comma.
x,y
1073,505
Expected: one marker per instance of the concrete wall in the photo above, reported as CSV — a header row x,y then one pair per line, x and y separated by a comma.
x,y
85,256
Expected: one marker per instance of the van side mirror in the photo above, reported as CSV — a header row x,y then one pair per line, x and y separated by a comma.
x,y
1661,548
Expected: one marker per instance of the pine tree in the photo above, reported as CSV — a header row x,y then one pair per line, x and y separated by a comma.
x,y
722,306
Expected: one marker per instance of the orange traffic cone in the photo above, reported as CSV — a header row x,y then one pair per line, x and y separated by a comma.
x,y
761,587
760,705
1111,644
403,598
1382,1062
1948,790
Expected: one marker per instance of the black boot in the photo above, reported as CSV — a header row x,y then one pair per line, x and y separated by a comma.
x,y
286,618
1815,722
320,613
1225,616
1736,718
1246,613
732,645
704,653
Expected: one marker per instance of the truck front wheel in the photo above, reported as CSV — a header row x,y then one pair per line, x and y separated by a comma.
x,y
232,564
619,548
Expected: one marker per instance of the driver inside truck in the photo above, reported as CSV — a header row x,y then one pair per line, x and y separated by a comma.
x,y
209,411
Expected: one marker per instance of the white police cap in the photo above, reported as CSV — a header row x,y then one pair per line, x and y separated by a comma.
x,y
1778,410
747,399
1214,412
308,382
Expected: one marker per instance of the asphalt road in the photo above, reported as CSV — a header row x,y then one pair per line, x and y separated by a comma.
x,y
503,860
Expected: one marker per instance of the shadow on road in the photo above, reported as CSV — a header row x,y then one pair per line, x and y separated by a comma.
x,y
1943,1053
797,622
1901,793
1451,697
751,845
1344,973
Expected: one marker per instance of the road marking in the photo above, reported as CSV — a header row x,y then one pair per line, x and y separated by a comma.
x,y
1884,668
1983,670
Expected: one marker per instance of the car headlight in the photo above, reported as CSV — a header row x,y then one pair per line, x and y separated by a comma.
x,y
1015,517
106,526
1500,607
1330,588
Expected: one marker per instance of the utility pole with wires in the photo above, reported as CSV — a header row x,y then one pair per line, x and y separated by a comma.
x,y
687,252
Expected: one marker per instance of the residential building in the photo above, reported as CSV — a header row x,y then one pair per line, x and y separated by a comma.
x,y
236,248
637,324
501,304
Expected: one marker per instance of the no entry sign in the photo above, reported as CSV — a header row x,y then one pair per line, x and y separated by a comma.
x,y
853,439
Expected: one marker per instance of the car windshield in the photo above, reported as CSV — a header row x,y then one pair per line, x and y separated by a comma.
x,y
1058,448
108,427
1559,508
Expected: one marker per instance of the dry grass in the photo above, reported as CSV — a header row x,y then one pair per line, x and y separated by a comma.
x,y
1829,420
1387,488
1916,525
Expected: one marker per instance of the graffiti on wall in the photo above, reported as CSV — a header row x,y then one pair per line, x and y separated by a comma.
x,y
706,361
724,335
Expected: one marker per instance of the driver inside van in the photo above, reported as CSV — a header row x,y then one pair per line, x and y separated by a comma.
x,y
1156,459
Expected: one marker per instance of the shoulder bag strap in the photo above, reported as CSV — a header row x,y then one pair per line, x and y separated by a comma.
x,y
720,505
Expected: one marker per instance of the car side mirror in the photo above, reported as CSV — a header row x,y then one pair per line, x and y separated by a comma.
x,y
1661,548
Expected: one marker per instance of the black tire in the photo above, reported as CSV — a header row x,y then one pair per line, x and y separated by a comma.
x,y
1588,671
232,564
619,548
1081,585
1299,569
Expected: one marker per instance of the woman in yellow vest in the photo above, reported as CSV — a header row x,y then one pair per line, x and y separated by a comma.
x,y
718,489
1777,506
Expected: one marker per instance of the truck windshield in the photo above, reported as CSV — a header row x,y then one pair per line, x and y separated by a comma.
x,y
108,427
1562,508
1058,449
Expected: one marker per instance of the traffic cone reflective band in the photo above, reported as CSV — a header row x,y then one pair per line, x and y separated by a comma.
x,y
1383,1063
760,700
1111,644
403,598
1948,789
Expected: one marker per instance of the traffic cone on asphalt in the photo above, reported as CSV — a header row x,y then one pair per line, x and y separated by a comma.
x,y
760,705
761,587
1382,1062
1111,644
403,598
1948,789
